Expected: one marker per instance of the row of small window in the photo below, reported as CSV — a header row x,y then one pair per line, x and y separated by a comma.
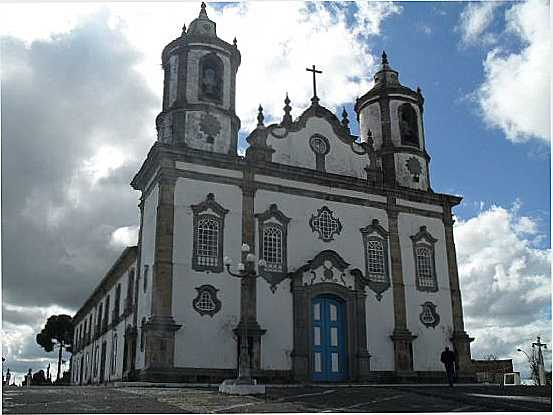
x,y
85,331
208,244
89,369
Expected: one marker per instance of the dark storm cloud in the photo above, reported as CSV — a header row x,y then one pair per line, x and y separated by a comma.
x,y
62,100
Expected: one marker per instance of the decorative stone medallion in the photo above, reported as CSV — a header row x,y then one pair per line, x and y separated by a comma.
x,y
210,126
429,317
414,167
325,224
206,301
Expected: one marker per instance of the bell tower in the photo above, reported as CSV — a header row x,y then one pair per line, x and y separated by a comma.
x,y
391,115
199,90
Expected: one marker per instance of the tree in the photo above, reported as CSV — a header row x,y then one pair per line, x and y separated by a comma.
x,y
58,331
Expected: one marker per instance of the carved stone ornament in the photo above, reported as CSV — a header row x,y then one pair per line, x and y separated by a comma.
x,y
206,302
414,167
325,224
333,269
428,316
210,126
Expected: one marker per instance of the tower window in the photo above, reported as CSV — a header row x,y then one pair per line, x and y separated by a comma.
x,y
425,264
211,78
408,125
209,222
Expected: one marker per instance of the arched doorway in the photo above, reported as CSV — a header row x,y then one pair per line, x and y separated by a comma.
x,y
329,348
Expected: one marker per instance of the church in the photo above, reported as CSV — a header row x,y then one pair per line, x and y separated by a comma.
x,y
325,256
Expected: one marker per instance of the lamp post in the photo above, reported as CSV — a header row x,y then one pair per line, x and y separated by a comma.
x,y
244,384
531,361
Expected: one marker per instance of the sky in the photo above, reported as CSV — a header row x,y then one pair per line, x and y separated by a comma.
x,y
81,86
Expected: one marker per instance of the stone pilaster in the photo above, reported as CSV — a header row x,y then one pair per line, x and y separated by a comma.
x,y
362,359
401,336
387,151
300,355
460,339
160,327
248,286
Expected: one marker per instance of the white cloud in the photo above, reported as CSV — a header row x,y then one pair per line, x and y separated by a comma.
x,y
124,236
475,19
515,94
505,281
274,56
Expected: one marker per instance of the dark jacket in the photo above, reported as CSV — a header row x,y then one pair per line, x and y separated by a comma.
x,y
448,358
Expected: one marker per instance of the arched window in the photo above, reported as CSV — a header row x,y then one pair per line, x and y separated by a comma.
x,y
375,241
209,222
211,78
272,247
425,268
207,240
375,260
408,125
273,230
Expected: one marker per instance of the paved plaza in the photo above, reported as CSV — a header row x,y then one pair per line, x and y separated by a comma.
x,y
157,399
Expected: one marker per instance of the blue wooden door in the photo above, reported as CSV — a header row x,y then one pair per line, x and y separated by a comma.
x,y
329,360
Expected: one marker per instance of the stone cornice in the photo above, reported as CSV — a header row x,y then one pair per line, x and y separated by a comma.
x,y
165,155
118,268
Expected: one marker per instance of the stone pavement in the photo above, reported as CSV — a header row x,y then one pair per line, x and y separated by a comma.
x,y
146,398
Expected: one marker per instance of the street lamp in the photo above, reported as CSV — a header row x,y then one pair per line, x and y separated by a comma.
x,y
244,384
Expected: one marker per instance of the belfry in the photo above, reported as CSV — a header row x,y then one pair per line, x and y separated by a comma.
x,y
319,256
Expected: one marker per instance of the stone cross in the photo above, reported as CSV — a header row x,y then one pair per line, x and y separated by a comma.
x,y
315,72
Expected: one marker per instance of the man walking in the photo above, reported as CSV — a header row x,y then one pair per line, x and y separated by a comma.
x,y
448,359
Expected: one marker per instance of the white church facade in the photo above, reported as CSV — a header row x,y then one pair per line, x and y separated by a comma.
x,y
353,253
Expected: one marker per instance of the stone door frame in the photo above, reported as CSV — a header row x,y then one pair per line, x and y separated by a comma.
x,y
355,330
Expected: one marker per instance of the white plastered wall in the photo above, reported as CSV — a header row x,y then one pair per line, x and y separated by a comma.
x,y
147,258
370,119
430,342
294,150
205,341
275,310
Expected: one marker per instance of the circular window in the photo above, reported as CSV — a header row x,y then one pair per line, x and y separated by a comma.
x,y
319,144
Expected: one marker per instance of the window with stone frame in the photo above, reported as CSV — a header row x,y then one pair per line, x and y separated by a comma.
x,y
375,243
142,324
117,304
206,302
211,78
424,258
273,244
208,234
114,354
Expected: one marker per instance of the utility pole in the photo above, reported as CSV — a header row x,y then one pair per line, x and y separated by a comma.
x,y
541,367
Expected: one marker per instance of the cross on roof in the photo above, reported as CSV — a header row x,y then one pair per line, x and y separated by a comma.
x,y
315,98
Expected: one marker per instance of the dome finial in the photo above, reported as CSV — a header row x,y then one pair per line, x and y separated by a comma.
x,y
260,116
287,118
203,13
384,58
